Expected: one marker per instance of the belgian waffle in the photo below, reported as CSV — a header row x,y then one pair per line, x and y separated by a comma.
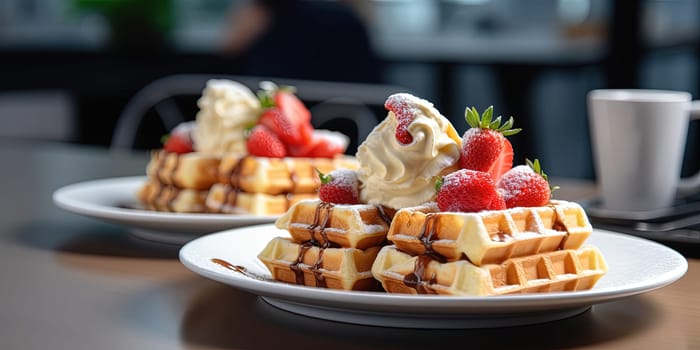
x,y
269,186
195,170
489,237
200,182
311,265
351,226
224,198
155,195
278,175
562,270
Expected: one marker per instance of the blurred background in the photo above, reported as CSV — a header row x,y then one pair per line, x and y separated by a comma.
x,y
69,67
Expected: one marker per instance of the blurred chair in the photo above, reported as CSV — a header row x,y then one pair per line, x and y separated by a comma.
x,y
334,105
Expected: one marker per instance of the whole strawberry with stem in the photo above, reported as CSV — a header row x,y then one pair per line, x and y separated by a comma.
x,y
484,145
468,190
525,186
340,186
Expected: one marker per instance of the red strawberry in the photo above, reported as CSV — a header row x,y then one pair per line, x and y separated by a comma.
x,y
484,146
263,142
180,139
177,144
292,106
340,186
323,144
499,203
467,190
404,111
525,186
285,115
289,131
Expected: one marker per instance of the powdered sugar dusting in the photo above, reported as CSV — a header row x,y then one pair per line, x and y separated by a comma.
x,y
518,178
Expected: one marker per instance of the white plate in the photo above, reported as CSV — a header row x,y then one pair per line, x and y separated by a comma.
x,y
628,258
112,200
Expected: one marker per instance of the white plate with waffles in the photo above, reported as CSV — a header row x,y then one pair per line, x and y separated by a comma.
x,y
114,200
628,258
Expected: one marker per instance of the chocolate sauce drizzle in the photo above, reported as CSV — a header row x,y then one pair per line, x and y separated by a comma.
x,y
559,225
234,178
318,227
167,180
417,279
240,269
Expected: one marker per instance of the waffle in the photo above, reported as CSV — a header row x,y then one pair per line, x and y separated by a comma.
x,y
157,196
489,237
278,175
306,264
223,198
562,270
351,226
195,170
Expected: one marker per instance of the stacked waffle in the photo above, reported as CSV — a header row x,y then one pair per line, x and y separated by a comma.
x,y
464,221
243,154
265,186
178,182
331,245
519,250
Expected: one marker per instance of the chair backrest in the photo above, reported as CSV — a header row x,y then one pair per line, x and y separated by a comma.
x,y
333,104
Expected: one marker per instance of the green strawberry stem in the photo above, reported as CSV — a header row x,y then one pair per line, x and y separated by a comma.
x,y
323,177
438,184
486,121
536,167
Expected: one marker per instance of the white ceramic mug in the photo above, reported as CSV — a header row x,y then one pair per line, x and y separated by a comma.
x,y
638,139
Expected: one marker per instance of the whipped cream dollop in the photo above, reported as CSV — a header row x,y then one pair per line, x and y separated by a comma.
x,y
400,175
226,109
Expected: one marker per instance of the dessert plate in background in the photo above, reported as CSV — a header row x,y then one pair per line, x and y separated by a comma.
x,y
114,200
630,272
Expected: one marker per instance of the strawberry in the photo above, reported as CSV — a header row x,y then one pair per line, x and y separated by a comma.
x,y
484,145
404,111
286,116
467,190
288,131
263,142
323,144
292,106
340,186
180,139
525,186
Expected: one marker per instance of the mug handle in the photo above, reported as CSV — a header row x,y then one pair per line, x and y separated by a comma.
x,y
690,184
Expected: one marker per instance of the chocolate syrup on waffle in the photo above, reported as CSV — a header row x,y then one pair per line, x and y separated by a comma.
x,y
559,225
416,279
234,178
318,226
166,179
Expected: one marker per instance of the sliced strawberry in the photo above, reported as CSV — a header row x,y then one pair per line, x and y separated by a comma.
x,y
263,142
292,106
484,146
340,186
467,190
525,186
324,144
289,119
404,111
290,132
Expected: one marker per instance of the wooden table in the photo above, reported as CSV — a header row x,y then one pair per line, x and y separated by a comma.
x,y
69,282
